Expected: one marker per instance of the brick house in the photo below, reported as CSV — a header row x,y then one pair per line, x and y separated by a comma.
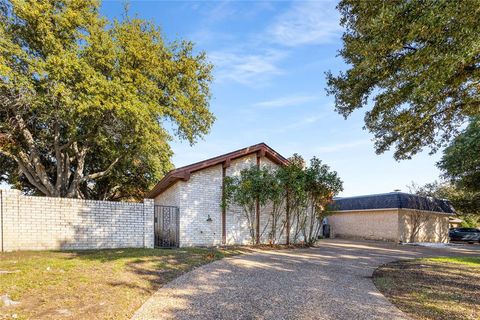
x,y
394,216
196,193
196,190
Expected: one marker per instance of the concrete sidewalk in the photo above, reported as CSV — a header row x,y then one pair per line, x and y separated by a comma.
x,y
331,281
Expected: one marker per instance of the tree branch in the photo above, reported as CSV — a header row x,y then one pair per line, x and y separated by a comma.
x,y
59,159
78,175
100,174
34,155
66,171
27,171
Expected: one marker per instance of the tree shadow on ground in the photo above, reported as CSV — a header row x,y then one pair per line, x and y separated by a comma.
x,y
429,289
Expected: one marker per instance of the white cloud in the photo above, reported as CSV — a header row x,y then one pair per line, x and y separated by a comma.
x,y
252,59
310,22
285,101
247,69
293,125
220,11
205,36
308,120
342,146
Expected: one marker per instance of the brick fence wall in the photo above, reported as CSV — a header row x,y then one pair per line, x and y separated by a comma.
x,y
43,223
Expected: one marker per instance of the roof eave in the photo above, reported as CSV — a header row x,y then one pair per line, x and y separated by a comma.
x,y
184,173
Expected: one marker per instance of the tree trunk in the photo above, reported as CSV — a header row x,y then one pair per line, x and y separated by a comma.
x,y
31,162
287,213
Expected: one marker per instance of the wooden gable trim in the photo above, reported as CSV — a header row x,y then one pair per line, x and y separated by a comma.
x,y
227,163
184,173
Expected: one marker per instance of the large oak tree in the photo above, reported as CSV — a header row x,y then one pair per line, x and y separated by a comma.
x,y
416,63
85,103
460,165
461,159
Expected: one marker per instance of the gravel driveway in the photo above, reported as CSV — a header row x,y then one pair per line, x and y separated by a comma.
x,y
331,281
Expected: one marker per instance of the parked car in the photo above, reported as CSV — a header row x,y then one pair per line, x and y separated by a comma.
x,y
464,234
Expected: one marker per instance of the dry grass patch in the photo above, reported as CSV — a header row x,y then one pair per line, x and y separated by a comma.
x,y
435,288
99,284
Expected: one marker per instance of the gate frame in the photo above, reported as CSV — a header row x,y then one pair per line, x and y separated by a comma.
x,y
158,243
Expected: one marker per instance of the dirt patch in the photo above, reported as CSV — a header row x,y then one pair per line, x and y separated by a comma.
x,y
437,288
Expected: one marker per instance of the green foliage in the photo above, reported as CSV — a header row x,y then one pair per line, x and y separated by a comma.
x,y
313,189
293,179
466,203
321,185
461,167
252,185
85,101
470,221
294,195
418,62
461,159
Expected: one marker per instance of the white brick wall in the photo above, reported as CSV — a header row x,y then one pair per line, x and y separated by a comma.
x,y
171,196
197,198
43,223
201,196
238,231
148,223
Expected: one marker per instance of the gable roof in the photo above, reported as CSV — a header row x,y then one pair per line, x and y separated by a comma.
x,y
183,173
398,200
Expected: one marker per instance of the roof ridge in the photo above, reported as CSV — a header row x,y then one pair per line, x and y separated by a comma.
x,y
400,200
183,173
222,155
375,194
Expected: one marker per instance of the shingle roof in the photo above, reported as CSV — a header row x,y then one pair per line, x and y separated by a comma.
x,y
390,200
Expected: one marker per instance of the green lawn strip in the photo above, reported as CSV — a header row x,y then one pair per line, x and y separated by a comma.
x,y
100,284
433,288
471,261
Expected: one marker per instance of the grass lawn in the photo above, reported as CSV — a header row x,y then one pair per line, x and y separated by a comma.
x,y
434,288
100,284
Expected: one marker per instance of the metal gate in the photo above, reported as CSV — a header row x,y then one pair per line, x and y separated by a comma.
x,y
167,222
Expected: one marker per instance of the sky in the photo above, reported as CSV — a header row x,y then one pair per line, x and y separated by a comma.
x,y
270,60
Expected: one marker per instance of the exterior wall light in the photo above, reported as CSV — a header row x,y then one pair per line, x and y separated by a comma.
x,y
209,219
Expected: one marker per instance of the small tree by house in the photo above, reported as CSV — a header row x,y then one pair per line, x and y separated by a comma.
x,y
276,199
252,186
292,180
321,185
296,196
